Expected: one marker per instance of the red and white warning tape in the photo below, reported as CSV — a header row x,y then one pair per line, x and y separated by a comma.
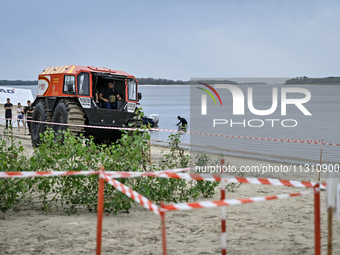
x,y
226,202
115,174
168,174
173,173
76,125
132,194
254,138
44,174
65,173
190,132
271,139
193,205
212,177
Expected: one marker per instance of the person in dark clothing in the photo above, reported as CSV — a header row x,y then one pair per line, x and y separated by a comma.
x,y
29,112
183,121
109,97
8,113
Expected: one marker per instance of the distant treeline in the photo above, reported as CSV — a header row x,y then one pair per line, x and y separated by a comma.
x,y
254,83
306,80
141,81
152,81
18,82
209,82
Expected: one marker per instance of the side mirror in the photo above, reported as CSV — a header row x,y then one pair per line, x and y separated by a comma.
x,y
139,95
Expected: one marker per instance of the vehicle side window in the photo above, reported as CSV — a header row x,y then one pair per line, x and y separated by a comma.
x,y
69,85
83,84
132,90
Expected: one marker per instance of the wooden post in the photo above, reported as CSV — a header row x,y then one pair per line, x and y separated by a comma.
x,y
150,149
317,222
320,162
330,233
332,183
11,134
100,212
162,213
223,215
25,121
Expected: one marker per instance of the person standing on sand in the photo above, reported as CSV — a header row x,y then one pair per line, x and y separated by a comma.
x,y
20,112
29,112
8,112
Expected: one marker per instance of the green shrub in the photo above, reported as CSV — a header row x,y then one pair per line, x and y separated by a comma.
x,y
206,188
14,192
65,152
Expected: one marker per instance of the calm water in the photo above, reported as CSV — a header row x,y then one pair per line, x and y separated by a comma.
x,y
324,124
171,101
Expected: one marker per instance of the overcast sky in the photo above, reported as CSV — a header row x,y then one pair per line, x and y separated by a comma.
x,y
172,39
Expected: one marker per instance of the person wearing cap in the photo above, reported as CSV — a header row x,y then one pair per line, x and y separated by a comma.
x,y
8,112
183,121
20,112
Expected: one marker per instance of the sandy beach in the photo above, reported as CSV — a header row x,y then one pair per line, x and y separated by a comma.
x,y
272,227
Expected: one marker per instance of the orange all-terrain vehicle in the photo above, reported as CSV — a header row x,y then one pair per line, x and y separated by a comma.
x,y
68,94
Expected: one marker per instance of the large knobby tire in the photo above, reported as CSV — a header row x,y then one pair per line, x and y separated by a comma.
x,y
60,116
69,111
39,114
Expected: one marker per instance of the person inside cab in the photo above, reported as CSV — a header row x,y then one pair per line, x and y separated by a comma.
x,y
109,97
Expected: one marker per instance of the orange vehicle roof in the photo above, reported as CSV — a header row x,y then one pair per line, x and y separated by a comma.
x,y
74,69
